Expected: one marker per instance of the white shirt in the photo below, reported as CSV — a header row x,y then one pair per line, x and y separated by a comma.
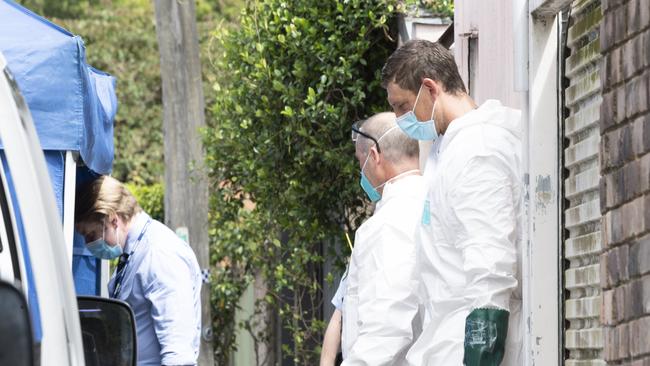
x,y
381,308
469,245
162,284
337,300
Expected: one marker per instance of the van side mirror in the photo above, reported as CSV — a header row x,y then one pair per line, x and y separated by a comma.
x,y
16,338
108,330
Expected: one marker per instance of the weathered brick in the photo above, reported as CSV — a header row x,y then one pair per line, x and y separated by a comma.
x,y
633,17
623,341
605,71
610,344
636,95
610,259
616,226
645,133
616,65
626,150
609,4
641,362
607,31
633,218
617,183
639,335
644,14
616,261
644,163
630,58
647,73
621,106
646,210
619,188
623,263
607,309
632,179
639,257
604,197
644,299
620,24
608,111
606,232
637,136
633,307
610,148
644,40
605,278
619,304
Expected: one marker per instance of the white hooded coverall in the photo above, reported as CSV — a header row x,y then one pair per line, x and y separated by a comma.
x,y
469,243
381,316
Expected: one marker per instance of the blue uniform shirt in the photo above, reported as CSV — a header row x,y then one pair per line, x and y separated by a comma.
x,y
162,283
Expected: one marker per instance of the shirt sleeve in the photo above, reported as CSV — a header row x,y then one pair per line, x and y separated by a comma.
x,y
337,300
171,293
388,301
484,200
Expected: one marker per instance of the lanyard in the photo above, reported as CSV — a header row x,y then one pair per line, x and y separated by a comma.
x,y
124,262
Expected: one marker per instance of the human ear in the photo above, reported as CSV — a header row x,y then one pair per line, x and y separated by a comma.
x,y
375,155
432,87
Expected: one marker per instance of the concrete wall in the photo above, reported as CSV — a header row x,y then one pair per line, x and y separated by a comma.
x,y
625,186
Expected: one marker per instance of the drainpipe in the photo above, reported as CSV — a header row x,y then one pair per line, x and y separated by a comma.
x,y
520,15
520,38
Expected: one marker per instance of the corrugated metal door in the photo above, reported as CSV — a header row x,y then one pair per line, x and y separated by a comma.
x,y
582,245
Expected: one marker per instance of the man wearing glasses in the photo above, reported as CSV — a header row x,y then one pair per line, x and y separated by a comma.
x,y
380,310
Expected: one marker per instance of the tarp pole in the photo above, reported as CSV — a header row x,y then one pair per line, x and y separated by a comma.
x,y
69,188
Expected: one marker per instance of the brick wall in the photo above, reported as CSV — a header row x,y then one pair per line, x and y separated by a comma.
x,y
625,181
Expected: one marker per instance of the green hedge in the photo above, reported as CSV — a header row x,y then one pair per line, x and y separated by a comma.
x,y
293,79
151,198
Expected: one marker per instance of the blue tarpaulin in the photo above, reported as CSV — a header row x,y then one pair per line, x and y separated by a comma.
x,y
72,104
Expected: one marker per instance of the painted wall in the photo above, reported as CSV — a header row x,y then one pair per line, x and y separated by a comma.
x,y
494,26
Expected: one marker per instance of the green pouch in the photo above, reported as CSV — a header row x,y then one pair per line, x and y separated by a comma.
x,y
485,337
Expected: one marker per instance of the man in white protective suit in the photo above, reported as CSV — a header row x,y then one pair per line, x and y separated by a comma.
x,y
469,237
380,311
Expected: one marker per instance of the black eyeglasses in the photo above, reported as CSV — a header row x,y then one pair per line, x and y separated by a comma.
x,y
356,131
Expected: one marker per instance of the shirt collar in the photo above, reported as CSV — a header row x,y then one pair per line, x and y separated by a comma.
x,y
139,221
392,189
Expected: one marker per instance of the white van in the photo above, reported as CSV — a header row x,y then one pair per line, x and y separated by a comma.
x,y
43,321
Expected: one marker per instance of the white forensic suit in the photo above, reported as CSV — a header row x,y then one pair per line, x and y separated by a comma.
x,y
381,316
469,238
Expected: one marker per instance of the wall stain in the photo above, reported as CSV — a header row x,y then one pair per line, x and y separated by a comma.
x,y
544,193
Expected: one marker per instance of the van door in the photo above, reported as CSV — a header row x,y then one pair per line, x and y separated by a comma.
x,y
61,342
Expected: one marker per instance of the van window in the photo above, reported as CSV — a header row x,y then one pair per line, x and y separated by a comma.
x,y
8,247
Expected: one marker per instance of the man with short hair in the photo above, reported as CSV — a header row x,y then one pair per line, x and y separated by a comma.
x,y
380,311
469,237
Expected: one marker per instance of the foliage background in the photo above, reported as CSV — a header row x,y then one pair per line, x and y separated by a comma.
x,y
150,198
120,38
296,75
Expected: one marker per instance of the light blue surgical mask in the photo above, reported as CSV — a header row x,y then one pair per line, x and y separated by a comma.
x,y
101,249
371,191
425,130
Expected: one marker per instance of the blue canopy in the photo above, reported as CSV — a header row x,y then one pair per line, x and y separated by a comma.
x,y
72,104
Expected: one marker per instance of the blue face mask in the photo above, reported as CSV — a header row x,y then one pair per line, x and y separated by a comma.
x,y
101,249
425,130
371,191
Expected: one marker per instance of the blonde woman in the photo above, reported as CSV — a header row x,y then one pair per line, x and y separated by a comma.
x,y
157,273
